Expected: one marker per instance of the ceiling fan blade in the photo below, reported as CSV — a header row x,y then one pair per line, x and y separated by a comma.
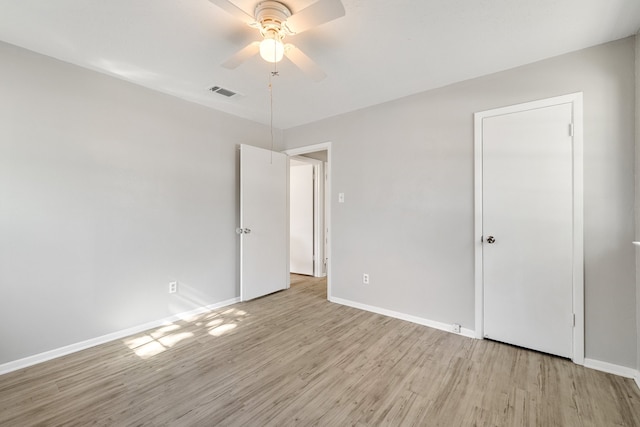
x,y
242,55
234,10
303,62
316,14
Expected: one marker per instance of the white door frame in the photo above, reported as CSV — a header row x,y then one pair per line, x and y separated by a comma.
x,y
578,246
318,212
327,220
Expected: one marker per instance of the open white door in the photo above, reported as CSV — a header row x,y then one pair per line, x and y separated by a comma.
x,y
301,219
263,222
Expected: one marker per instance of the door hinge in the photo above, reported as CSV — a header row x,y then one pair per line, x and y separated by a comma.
x,y
570,129
574,320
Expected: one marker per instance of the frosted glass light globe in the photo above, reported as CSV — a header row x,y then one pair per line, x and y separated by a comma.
x,y
271,50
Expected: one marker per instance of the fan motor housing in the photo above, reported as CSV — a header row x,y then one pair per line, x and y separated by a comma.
x,y
271,15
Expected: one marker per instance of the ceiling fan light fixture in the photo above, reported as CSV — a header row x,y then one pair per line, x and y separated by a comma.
x,y
271,49
274,20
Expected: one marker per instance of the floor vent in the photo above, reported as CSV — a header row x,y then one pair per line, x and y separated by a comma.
x,y
222,91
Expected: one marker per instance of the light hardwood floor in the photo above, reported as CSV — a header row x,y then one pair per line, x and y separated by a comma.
x,y
293,358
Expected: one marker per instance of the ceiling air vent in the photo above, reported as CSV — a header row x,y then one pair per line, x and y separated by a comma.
x,y
222,91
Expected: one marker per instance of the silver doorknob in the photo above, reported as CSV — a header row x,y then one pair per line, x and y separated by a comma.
x,y
491,239
247,230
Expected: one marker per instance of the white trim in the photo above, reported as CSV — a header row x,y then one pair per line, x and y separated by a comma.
x,y
637,379
318,219
310,149
477,231
83,345
610,368
578,220
402,316
578,229
288,184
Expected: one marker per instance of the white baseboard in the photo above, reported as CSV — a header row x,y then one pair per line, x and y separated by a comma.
x,y
72,348
469,333
610,368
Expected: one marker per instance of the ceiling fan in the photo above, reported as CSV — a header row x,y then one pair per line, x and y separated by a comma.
x,y
275,21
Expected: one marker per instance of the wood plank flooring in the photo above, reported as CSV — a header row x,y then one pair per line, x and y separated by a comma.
x,y
292,358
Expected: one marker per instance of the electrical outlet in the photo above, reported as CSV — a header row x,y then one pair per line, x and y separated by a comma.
x,y
365,278
173,287
456,328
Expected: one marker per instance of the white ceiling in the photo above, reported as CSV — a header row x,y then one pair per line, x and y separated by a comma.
x,y
379,51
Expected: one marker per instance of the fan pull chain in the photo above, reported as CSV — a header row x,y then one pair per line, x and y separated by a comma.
x,y
271,113
275,64
273,73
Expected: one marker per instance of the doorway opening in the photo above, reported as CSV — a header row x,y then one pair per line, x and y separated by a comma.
x,y
317,286
310,231
307,236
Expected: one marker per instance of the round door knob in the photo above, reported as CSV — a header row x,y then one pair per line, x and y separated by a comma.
x,y
491,239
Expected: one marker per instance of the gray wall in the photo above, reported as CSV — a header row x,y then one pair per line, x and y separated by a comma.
x,y
108,191
406,168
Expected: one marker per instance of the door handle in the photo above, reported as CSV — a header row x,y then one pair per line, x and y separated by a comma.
x,y
491,239
243,230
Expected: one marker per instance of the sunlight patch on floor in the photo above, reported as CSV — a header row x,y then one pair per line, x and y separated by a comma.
x,y
164,330
149,350
215,323
163,338
138,341
173,339
222,329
